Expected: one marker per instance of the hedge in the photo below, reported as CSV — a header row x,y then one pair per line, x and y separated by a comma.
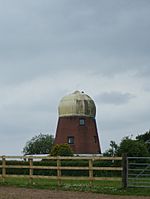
x,y
69,163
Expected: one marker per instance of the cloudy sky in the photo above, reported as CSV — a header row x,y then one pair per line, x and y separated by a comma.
x,y
50,48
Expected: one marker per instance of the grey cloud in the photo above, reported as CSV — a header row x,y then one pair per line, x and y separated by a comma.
x,y
115,98
144,72
40,37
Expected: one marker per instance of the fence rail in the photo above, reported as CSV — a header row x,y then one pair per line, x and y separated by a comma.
x,y
29,163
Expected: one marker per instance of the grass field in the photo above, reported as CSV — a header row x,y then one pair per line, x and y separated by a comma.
x,y
104,187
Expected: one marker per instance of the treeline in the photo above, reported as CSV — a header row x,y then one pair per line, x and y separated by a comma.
x,y
138,147
43,144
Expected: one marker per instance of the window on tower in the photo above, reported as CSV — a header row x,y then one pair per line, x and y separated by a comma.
x,y
70,139
82,121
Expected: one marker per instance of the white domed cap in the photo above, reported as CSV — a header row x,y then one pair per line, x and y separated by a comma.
x,y
77,104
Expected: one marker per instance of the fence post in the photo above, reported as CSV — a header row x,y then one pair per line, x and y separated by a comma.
x,y
91,171
30,169
3,167
125,170
58,171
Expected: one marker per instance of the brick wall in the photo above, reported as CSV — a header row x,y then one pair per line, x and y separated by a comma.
x,y
85,136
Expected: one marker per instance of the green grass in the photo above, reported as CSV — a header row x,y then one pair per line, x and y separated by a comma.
x,y
103,187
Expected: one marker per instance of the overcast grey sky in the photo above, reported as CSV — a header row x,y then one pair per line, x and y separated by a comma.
x,y
49,48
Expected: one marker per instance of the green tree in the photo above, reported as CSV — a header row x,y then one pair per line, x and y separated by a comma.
x,y
40,144
145,138
112,149
61,150
133,148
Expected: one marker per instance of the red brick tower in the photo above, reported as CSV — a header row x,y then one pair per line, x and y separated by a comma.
x,y
77,124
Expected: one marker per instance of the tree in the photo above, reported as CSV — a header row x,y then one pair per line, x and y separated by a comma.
x,y
112,149
145,138
61,150
40,144
133,148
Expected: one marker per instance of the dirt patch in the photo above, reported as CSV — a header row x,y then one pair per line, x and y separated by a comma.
x,y
23,193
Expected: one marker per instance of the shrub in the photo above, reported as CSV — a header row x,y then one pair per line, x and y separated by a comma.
x,y
61,150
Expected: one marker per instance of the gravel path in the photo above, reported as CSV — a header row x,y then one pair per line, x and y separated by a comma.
x,y
23,193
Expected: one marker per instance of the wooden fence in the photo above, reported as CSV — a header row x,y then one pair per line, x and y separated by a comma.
x,y
29,163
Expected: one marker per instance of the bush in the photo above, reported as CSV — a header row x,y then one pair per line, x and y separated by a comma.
x,y
61,150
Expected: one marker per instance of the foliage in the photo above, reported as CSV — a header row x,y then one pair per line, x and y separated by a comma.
x,y
145,138
112,149
64,163
61,150
40,144
133,148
